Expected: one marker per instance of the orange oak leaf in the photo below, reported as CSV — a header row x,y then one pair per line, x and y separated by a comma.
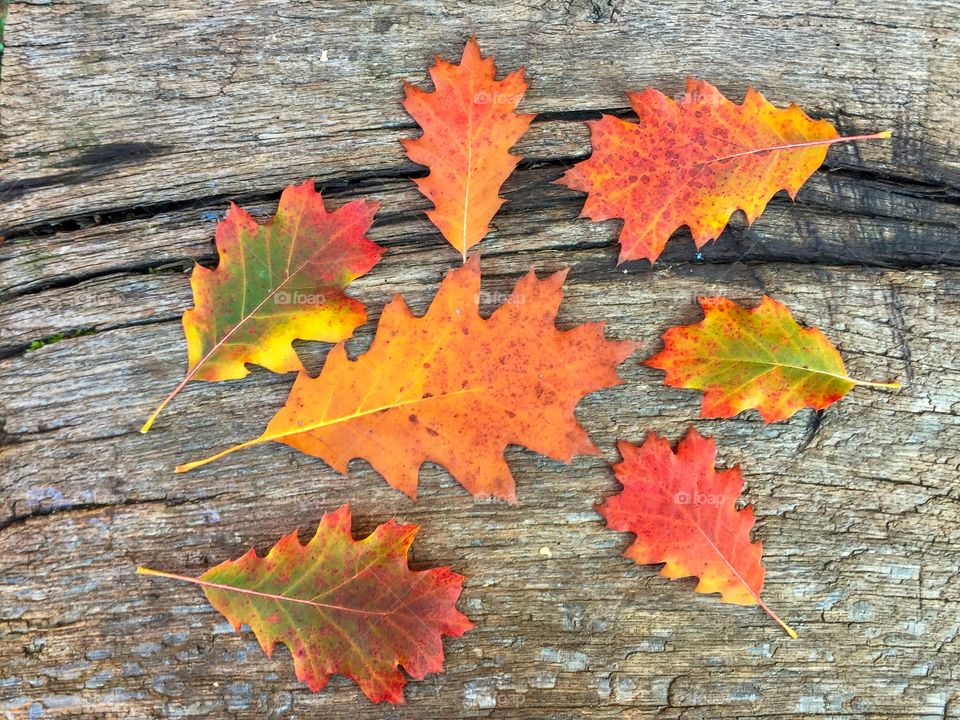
x,y
469,126
453,388
275,283
694,163
342,605
754,358
683,513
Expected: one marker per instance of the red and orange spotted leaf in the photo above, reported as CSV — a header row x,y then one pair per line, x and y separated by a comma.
x,y
469,126
694,163
754,358
276,283
341,605
683,513
453,388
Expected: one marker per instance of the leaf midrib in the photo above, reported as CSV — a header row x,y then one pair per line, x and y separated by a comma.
x,y
775,364
269,295
362,413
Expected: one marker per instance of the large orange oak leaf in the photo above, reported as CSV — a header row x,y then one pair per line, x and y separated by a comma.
x,y
342,605
754,358
469,126
276,283
453,388
684,515
694,163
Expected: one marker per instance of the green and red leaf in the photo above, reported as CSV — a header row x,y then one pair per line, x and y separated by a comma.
x,y
754,358
276,283
342,605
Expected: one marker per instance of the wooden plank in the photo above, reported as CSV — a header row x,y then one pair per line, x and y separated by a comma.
x,y
839,220
859,523
154,105
163,112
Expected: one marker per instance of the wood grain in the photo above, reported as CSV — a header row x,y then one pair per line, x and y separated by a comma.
x,y
127,126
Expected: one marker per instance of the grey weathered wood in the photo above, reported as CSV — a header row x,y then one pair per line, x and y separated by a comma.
x,y
129,103
125,128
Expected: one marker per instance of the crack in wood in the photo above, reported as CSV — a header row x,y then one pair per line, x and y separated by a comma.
x,y
37,512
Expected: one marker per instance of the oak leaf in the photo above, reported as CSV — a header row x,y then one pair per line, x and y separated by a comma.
x,y
275,283
754,358
453,388
469,126
694,163
684,515
342,605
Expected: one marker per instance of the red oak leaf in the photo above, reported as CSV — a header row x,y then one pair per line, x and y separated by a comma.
x,y
469,126
342,605
683,513
276,283
453,388
694,163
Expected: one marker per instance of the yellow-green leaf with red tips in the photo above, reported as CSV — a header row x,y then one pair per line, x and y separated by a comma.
x,y
342,605
276,283
754,358
694,163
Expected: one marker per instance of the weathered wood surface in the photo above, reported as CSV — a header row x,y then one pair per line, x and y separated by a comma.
x,y
126,127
